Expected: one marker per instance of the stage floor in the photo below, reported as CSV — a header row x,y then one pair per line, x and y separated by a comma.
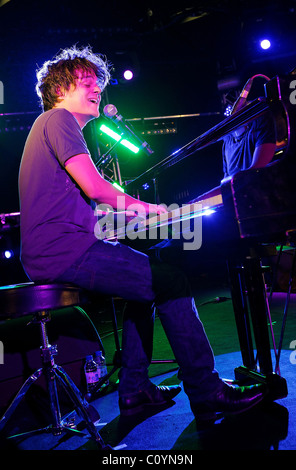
x,y
269,426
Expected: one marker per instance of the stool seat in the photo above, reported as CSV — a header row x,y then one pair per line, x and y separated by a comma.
x,y
24,299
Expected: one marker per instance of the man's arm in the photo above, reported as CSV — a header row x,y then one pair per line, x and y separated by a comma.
x,y
82,169
263,155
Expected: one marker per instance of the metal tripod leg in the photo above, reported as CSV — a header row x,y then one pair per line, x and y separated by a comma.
x,y
57,427
53,375
82,407
21,393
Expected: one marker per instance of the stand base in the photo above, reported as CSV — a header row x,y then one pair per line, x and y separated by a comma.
x,y
82,408
276,384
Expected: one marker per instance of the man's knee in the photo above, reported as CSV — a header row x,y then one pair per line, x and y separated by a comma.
x,y
168,282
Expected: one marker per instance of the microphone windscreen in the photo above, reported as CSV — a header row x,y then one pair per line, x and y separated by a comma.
x,y
110,110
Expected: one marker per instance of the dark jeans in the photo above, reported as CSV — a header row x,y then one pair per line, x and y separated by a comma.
x,y
118,270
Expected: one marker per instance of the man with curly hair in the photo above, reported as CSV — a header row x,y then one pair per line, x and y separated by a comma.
x,y
59,187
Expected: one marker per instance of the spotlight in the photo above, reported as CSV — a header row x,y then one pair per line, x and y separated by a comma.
x,y
128,74
7,254
265,44
208,211
228,110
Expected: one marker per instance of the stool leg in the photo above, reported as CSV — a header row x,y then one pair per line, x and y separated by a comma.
x,y
21,393
53,400
81,405
55,373
47,353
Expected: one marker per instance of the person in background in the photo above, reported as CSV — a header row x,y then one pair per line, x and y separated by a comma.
x,y
250,146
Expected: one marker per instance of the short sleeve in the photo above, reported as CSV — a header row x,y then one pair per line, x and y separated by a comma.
x,y
64,136
264,131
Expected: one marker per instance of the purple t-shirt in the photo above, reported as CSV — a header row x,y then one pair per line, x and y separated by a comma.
x,y
57,219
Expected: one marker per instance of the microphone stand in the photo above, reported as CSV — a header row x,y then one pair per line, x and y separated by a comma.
x,y
104,158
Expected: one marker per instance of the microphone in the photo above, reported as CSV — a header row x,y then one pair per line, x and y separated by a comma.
x,y
110,112
241,100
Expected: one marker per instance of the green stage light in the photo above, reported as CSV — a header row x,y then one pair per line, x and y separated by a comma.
x,y
118,138
110,133
130,146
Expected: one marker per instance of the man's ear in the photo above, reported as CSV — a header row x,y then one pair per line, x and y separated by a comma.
x,y
60,91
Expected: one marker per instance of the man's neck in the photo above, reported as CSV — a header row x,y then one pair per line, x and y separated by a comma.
x,y
82,119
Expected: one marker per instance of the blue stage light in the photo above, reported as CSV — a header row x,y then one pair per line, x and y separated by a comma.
x,y
128,74
265,44
228,110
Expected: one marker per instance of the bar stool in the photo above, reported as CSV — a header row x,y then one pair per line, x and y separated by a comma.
x,y
38,301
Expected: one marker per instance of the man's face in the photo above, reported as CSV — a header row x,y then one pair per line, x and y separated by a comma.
x,y
83,100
